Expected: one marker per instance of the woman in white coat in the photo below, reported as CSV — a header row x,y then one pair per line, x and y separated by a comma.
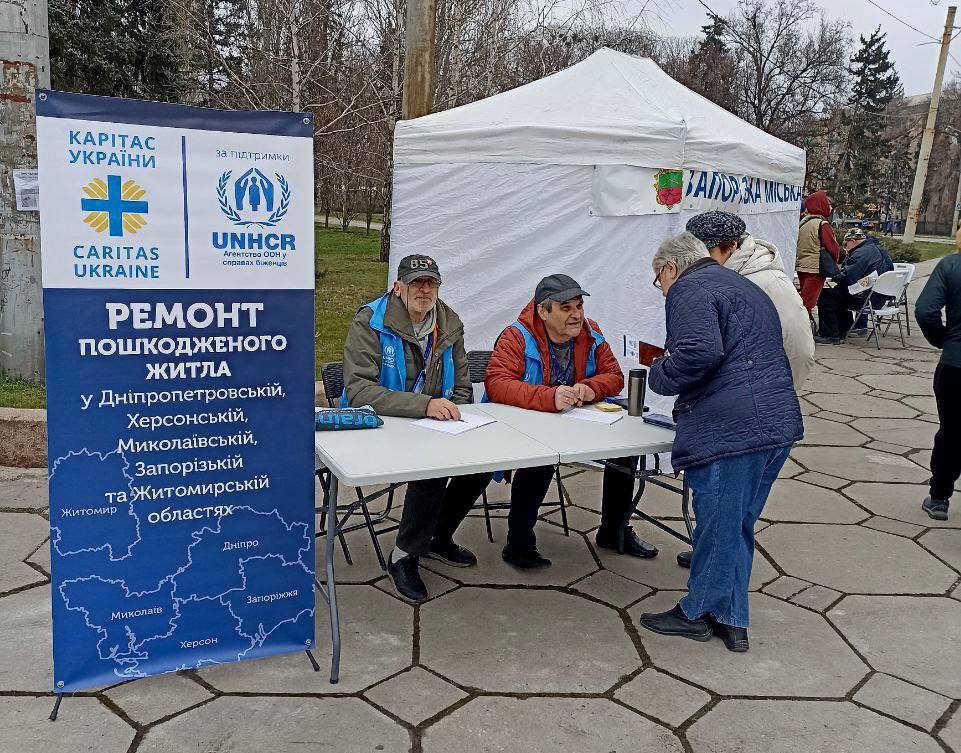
x,y
760,262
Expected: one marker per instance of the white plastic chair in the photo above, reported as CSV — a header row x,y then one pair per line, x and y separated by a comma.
x,y
891,285
900,266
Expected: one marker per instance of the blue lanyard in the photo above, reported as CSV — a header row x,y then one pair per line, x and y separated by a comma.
x,y
422,377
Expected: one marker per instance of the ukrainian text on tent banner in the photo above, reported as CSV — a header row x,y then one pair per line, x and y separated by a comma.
x,y
178,298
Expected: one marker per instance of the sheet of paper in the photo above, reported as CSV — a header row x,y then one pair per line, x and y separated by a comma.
x,y
468,421
592,414
26,188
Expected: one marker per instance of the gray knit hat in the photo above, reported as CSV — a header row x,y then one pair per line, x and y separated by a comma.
x,y
716,228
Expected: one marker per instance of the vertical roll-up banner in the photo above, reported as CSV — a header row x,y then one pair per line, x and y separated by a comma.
x,y
178,276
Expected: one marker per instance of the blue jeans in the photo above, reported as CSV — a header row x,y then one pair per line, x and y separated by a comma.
x,y
729,495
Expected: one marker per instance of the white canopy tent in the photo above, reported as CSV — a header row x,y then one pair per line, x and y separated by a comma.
x,y
584,172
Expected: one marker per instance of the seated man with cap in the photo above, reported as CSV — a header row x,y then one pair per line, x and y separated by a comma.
x,y
405,356
551,359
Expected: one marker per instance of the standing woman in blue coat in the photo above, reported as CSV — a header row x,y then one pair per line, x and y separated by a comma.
x,y
737,417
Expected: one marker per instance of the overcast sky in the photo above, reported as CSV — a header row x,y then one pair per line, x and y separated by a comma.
x,y
915,64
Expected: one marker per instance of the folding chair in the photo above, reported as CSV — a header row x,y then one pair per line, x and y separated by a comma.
x,y
332,375
477,361
890,285
908,269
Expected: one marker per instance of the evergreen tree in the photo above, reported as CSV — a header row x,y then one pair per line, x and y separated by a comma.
x,y
876,84
711,69
120,48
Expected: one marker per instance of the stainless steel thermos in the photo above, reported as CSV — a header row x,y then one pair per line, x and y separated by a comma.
x,y
636,391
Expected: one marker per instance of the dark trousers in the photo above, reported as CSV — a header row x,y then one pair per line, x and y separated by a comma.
x,y
834,311
529,488
433,508
946,456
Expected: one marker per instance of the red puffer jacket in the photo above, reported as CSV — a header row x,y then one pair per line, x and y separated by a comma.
x,y
506,368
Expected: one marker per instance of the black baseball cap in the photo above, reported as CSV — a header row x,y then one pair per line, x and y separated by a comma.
x,y
415,266
560,288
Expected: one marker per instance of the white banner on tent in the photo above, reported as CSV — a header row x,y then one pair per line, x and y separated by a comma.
x,y
626,190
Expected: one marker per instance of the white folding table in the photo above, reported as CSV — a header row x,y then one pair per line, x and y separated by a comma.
x,y
398,452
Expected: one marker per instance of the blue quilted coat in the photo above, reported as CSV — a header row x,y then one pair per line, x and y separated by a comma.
x,y
726,364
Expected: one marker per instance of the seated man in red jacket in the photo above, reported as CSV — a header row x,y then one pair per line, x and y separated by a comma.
x,y
551,359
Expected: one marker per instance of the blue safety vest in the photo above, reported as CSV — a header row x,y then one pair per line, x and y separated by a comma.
x,y
393,365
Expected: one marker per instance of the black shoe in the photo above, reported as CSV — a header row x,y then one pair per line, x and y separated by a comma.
x,y
827,340
675,623
858,332
526,559
632,545
684,558
735,638
451,554
935,508
405,577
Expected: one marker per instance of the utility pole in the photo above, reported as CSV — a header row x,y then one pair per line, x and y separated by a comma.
x,y
914,210
24,66
419,60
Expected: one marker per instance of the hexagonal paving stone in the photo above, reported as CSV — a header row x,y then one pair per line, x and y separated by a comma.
x,y
794,652
789,469
25,660
951,733
525,641
802,727
20,534
946,543
88,725
152,698
817,598
862,406
853,559
902,700
838,384
415,695
25,492
792,500
915,638
822,480
901,502
570,555
907,432
279,725
889,525
859,367
924,404
547,725
902,384
661,696
611,588
377,634
859,464
819,431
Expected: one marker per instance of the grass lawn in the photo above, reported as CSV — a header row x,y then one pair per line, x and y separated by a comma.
x,y
348,276
925,249
17,393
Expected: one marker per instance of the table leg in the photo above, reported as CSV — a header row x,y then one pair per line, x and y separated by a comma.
x,y
332,526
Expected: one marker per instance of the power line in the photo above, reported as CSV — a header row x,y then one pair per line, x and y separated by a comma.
x,y
901,20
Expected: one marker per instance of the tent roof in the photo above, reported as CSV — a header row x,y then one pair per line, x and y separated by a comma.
x,y
610,108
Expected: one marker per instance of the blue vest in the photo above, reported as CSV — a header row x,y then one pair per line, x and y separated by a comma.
x,y
534,367
393,365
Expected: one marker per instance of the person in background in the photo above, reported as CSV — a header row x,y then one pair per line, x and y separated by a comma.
x,y
551,359
864,261
405,356
942,292
737,417
728,243
814,233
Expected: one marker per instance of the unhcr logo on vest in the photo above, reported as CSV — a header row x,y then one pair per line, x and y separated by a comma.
x,y
254,202
389,356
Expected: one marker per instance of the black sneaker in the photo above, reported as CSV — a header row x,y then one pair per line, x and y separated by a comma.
x,y
827,340
684,558
405,578
451,554
858,332
735,638
632,544
526,559
935,508
674,622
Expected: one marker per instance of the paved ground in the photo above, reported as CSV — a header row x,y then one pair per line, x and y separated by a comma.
x,y
856,625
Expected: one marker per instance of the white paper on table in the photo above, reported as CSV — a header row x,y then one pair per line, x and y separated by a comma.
x,y
592,414
468,421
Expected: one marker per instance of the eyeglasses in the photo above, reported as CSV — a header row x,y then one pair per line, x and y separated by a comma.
x,y
424,282
657,277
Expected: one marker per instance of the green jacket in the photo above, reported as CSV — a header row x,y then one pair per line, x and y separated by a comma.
x,y
942,291
362,362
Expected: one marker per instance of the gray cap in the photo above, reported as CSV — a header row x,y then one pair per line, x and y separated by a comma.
x,y
417,265
560,288
716,228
